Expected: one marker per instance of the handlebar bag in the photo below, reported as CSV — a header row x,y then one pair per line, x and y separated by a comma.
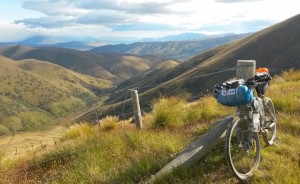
x,y
234,97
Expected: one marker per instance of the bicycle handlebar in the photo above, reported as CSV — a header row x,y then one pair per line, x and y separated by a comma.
x,y
252,82
258,79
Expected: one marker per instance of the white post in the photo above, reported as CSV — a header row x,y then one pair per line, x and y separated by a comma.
x,y
245,69
136,109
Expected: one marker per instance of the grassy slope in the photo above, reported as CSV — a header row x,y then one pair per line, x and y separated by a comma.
x,y
33,93
120,154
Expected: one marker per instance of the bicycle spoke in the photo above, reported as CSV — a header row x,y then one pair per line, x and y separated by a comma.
x,y
243,155
269,133
270,112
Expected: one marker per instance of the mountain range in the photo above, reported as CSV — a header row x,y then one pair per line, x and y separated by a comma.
x,y
179,37
178,50
87,43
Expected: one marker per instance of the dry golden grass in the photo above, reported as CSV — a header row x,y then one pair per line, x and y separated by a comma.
x,y
109,123
78,130
23,144
125,155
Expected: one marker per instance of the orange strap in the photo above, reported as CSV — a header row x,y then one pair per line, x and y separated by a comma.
x,y
262,70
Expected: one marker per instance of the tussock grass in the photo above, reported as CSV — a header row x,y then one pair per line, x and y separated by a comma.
x,y
174,112
206,109
291,75
285,95
109,123
90,154
78,130
168,112
110,157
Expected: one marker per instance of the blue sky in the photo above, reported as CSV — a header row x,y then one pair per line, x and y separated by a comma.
x,y
20,19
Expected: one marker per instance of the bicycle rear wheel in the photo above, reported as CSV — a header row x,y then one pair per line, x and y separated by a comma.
x,y
269,132
242,154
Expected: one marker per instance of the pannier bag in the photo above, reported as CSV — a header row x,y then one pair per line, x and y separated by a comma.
x,y
233,93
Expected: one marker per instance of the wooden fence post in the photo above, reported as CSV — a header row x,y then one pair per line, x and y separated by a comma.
x,y
136,109
245,69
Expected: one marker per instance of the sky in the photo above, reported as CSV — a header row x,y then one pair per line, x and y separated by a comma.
x,y
20,19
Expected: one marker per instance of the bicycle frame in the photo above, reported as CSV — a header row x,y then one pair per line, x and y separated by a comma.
x,y
253,114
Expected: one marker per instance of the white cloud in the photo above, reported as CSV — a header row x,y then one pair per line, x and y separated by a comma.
x,y
138,7
53,7
48,22
94,11
105,17
154,17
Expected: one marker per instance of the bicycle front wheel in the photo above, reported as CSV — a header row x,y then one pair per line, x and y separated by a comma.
x,y
242,149
269,129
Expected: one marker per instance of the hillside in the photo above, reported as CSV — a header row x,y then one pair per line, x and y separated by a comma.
x,y
275,47
115,152
146,79
34,93
178,50
114,67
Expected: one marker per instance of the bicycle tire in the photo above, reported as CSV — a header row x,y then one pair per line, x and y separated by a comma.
x,y
269,128
233,146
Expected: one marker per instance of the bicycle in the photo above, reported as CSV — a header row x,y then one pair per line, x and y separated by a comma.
x,y
255,115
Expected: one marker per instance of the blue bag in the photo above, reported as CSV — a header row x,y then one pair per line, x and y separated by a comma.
x,y
233,93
